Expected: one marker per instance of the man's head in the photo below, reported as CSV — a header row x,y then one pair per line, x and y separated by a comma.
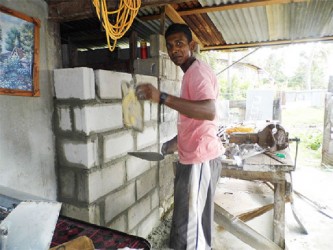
x,y
179,43
179,27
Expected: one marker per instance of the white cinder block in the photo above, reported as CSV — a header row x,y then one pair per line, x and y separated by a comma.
x,y
136,167
146,112
105,180
154,111
147,138
136,213
64,118
74,83
155,199
89,214
147,225
119,224
98,118
84,153
145,183
109,83
140,79
117,145
119,201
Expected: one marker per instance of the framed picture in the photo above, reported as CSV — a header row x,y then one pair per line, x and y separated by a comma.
x,y
19,53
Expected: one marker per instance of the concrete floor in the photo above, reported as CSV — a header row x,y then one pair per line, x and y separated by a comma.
x,y
314,183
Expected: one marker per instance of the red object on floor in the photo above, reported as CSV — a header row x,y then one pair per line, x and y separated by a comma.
x,y
103,238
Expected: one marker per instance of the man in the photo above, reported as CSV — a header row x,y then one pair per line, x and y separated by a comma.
x,y
198,146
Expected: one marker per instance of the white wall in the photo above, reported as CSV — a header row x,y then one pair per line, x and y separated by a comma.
x,y
27,154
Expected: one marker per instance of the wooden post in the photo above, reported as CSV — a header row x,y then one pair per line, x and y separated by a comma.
x,y
279,213
133,42
162,22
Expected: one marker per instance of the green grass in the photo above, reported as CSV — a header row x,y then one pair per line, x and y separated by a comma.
x,y
305,123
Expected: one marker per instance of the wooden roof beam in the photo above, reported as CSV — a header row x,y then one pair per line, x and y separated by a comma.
x,y
272,43
174,17
68,10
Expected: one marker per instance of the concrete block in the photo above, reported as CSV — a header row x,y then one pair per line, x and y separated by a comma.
x,y
66,183
119,224
157,45
146,111
147,138
168,68
140,79
154,111
148,224
118,144
64,122
149,66
104,181
74,83
138,212
146,183
136,167
168,130
90,213
119,201
155,200
109,83
98,118
82,153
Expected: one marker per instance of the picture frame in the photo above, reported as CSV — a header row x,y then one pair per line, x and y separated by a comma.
x,y
19,53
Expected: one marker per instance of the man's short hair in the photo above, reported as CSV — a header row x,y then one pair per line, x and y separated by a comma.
x,y
179,27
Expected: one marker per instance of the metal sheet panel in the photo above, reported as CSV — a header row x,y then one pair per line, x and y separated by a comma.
x,y
286,21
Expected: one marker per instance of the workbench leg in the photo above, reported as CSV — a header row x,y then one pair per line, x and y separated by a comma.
x,y
279,214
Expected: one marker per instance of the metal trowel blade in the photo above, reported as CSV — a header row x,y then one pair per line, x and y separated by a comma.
x,y
149,156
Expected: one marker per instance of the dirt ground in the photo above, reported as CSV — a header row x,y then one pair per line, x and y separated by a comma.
x,y
315,183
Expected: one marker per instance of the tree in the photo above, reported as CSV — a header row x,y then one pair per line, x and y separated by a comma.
x,y
27,37
13,39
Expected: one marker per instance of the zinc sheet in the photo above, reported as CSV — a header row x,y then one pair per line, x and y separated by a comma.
x,y
284,21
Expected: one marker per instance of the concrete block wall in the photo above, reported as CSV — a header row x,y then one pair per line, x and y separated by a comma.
x,y
97,181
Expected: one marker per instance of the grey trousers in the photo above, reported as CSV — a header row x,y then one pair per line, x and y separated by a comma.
x,y
192,219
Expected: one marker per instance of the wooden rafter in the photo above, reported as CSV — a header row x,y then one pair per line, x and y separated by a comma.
x,y
174,17
69,10
273,43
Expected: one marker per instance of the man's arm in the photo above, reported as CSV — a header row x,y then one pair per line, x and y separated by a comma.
x,y
201,110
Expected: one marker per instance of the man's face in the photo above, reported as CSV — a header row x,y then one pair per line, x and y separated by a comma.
x,y
179,49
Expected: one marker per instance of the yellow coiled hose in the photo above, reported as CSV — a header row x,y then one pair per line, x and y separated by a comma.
x,y
125,14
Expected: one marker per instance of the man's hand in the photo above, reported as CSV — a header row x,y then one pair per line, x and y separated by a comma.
x,y
147,91
170,147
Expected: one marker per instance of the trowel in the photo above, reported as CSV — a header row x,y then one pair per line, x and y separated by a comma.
x,y
148,156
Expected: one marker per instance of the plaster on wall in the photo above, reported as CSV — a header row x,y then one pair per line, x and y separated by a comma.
x,y
27,160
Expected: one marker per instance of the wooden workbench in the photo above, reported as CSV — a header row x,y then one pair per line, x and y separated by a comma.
x,y
264,168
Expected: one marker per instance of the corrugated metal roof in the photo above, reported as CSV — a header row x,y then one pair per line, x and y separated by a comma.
x,y
285,21
218,24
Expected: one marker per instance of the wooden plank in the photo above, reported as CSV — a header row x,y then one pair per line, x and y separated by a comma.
x,y
252,175
241,230
65,10
272,43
